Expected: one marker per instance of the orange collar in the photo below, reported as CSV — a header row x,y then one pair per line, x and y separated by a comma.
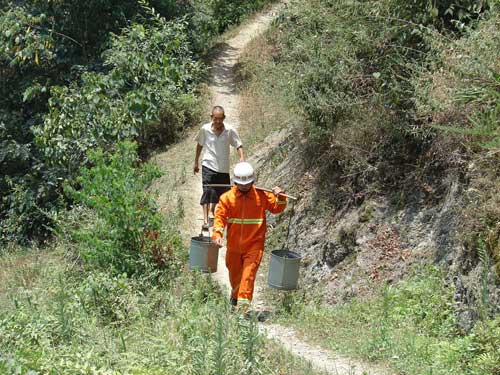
x,y
250,192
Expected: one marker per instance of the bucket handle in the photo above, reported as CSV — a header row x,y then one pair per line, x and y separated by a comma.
x,y
288,227
208,231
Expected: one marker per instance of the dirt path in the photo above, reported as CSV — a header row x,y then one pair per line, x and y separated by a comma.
x,y
177,164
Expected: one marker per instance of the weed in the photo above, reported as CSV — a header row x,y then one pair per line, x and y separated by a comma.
x,y
72,321
380,343
367,213
219,343
493,244
484,280
411,325
251,344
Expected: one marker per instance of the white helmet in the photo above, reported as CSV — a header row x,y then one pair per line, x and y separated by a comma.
x,y
243,173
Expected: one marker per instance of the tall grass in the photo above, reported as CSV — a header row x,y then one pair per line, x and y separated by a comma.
x,y
71,322
362,88
411,326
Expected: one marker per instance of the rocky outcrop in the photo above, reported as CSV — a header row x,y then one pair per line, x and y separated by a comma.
x,y
373,239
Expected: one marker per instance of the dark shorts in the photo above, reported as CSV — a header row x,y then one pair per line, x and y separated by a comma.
x,y
212,194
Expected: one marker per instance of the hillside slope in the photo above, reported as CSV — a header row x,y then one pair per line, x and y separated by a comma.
x,y
364,214
390,142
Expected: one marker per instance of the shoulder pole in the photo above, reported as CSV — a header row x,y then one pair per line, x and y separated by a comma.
x,y
257,187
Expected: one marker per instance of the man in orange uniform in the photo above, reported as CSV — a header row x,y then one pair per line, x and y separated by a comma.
x,y
243,211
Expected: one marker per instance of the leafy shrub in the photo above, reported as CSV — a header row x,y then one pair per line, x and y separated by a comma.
x,y
43,44
151,69
349,76
71,19
353,72
127,234
209,18
28,206
485,344
459,96
426,300
231,12
27,56
449,14
462,96
149,97
61,97
111,297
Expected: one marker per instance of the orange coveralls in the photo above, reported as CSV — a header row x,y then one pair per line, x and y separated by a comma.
x,y
244,215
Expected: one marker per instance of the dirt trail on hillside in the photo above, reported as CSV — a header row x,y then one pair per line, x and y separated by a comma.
x,y
177,162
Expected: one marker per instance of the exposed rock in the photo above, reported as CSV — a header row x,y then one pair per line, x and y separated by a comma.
x,y
372,239
465,315
333,253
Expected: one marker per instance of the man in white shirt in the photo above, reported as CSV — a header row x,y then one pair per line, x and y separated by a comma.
x,y
215,139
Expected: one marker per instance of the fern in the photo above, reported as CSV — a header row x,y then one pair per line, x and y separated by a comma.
x,y
489,362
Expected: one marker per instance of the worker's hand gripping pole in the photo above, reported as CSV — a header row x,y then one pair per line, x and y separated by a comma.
x,y
257,187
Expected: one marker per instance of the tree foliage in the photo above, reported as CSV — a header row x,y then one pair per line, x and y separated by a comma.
x,y
150,68
352,70
79,75
126,233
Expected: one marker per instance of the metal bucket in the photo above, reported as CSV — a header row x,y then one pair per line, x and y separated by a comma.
x,y
283,270
203,254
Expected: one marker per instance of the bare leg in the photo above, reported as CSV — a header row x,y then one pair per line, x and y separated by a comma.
x,y
205,214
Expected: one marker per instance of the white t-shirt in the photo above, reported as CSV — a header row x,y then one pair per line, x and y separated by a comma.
x,y
216,147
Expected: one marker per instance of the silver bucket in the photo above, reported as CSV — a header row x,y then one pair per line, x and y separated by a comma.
x,y
283,270
203,254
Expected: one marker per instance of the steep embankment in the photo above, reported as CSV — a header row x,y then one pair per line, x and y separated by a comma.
x,y
382,192
398,220
177,163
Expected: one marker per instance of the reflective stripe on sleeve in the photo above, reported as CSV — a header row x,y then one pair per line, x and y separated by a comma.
x,y
220,230
280,202
235,220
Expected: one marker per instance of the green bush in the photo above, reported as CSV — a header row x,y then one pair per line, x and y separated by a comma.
x,y
231,12
355,72
27,58
43,45
485,344
462,97
148,95
425,301
209,18
67,88
345,70
453,15
127,234
110,297
151,69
